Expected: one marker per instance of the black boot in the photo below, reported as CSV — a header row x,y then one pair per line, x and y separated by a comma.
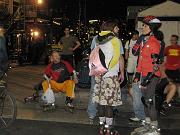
x,y
68,105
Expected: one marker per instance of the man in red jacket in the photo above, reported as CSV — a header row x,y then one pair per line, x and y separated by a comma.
x,y
59,73
147,72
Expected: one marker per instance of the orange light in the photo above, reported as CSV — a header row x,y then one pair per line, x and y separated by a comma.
x,y
35,33
39,1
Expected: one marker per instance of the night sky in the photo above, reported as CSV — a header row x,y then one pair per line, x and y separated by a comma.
x,y
97,8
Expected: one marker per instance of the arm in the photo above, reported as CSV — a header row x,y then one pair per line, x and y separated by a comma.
x,y
126,54
155,50
60,41
47,71
136,47
93,43
71,71
121,65
126,50
77,45
162,70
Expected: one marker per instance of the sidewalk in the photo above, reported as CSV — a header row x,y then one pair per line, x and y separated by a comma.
x,y
22,79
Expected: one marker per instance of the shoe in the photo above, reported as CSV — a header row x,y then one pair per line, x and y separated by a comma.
x,y
135,119
153,131
32,98
91,121
102,129
163,112
68,102
143,128
49,107
110,130
70,105
2,83
115,112
166,105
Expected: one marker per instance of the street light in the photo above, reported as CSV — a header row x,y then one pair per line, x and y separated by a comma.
x,y
34,33
39,1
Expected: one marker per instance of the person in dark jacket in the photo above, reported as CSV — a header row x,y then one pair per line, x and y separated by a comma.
x,y
3,53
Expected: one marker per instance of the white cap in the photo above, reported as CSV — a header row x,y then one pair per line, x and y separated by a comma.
x,y
155,20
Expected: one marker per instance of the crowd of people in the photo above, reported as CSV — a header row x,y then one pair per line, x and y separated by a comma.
x,y
153,73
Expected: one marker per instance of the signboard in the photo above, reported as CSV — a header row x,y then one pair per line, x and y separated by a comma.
x,y
54,47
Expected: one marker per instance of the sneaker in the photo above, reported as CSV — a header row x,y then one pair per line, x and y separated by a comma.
x,y
135,119
110,130
144,128
70,105
102,129
91,121
166,105
163,112
48,107
152,131
115,112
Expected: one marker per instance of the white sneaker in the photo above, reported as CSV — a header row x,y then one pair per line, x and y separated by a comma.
x,y
152,133
135,119
142,129
91,121
70,105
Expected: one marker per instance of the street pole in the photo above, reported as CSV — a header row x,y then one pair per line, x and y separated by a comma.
x,y
85,12
79,27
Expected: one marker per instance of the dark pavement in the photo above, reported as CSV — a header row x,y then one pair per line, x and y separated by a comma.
x,y
31,120
31,127
27,127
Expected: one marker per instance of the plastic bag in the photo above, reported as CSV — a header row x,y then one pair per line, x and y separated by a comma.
x,y
48,96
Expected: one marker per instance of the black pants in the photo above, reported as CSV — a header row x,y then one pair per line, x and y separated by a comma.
x,y
160,96
173,75
149,93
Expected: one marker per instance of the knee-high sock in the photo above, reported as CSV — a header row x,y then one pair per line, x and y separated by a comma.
x,y
109,121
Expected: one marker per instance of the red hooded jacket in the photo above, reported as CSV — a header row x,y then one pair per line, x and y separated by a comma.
x,y
145,62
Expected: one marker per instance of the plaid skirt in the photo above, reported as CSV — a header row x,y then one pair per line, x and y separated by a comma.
x,y
107,91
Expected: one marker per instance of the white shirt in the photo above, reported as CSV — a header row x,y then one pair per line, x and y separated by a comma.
x,y
129,46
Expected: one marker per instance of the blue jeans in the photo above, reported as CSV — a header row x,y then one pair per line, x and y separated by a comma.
x,y
138,106
92,107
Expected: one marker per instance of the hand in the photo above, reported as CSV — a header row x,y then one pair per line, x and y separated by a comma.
x,y
47,77
121,77
136,80
71,49
137,77
142,87
75,80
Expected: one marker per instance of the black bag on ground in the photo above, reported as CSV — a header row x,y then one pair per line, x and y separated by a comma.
x,y
84,80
